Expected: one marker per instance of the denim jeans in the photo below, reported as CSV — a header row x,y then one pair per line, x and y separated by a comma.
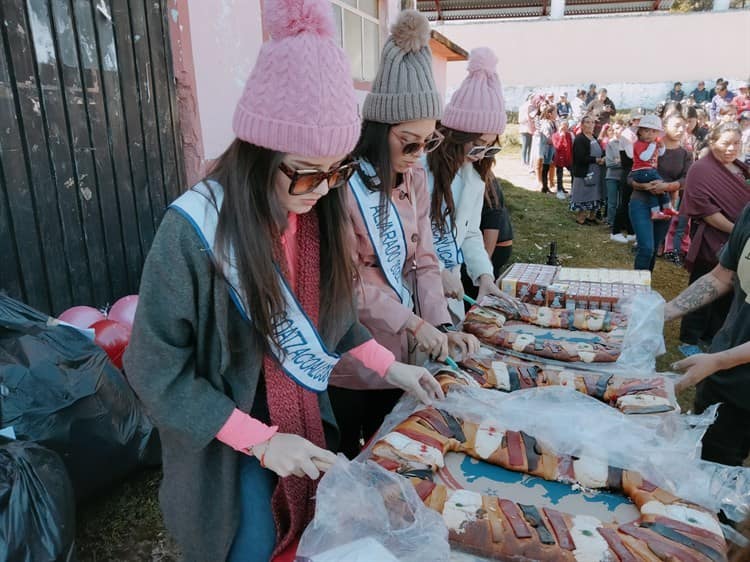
x,y
526,148
256,534
613,192
649,234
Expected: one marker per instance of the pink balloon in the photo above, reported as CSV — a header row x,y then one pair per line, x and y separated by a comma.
x,y
124,310
82,316
113,337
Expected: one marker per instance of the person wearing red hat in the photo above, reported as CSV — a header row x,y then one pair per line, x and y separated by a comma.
x,y
247,301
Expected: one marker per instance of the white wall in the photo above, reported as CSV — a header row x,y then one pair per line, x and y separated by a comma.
x,y
637,58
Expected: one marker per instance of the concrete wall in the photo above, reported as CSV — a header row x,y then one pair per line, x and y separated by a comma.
x,y
609,51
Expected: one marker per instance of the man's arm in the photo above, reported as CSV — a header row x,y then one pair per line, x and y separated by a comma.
x,y
703,365
719,222
711,286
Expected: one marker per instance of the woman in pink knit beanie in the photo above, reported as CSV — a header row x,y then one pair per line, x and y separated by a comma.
x,y
247,300
460,177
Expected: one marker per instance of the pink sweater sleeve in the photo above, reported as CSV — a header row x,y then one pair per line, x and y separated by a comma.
x,y
374,356
241,432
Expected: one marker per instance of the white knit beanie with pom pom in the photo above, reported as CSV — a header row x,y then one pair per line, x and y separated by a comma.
x,y
300,97
478,105
404,88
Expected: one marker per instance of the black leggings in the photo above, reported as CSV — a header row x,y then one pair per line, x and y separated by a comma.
x,y
622,215
359,414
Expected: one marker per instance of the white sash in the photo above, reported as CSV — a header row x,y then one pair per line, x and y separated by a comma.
x,y
305,357
446,248
388,240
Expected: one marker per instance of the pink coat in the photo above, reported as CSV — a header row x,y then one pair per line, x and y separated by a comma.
x,y
380,309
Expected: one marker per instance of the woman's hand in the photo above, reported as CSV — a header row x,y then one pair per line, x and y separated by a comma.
x,y
429,339
287,454
696,367
487,286
417,381
465,343
655,187
452,286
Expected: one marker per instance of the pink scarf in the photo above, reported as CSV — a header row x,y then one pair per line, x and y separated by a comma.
x,y
291,407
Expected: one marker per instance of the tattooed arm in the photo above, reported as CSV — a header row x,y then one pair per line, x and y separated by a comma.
x,y
716,283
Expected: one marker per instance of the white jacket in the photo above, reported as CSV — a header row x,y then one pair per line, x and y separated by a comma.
x,y
468,197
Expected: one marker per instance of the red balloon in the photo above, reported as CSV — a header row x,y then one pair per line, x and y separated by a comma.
x,y
124,310
113,337
82,316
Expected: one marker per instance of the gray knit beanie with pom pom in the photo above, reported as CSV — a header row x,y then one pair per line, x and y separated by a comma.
x,y
404,89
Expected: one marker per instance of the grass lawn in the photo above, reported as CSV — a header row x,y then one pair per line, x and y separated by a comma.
x,y
126,523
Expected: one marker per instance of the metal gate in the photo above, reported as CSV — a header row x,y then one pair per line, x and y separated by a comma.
x,y
89,147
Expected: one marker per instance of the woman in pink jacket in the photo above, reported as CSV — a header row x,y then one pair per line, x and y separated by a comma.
x,y
400,293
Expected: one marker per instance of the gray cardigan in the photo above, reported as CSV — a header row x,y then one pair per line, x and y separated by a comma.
x,y
191,360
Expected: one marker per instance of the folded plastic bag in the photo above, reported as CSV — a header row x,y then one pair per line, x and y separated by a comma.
x,y
363,512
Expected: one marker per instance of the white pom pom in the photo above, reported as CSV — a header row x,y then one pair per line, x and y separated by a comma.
x,y
411,32
482,59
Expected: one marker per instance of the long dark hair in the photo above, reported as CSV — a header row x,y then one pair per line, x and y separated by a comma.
x,y
251,221
444,163
374,147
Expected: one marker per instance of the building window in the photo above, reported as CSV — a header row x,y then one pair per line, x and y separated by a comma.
x,y
358,29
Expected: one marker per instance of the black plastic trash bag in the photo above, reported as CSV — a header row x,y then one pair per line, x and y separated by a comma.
x,y
37,506
59,389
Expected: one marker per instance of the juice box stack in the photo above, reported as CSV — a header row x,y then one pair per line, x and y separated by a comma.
x,y
570,287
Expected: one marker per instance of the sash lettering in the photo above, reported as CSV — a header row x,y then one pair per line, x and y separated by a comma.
x,y
446,248
444,241
386,236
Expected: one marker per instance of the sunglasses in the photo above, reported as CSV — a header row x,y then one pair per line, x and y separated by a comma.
x,y
484,151
304,181
428,145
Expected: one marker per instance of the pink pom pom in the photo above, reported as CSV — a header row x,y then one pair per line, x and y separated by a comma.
x,y
482,59
287,18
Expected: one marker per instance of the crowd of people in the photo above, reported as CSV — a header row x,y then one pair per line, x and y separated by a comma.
x,y
656,179
292,295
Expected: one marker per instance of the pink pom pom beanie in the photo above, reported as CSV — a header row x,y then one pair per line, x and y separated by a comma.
x,y
299,98
478,105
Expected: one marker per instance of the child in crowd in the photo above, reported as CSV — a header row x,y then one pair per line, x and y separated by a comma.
x,y
562,140
728,113
646,152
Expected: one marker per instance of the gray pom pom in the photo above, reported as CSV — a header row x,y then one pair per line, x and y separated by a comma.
x,y
411,32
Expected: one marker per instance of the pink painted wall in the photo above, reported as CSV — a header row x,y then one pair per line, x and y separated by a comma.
x,y
187,99
226,38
